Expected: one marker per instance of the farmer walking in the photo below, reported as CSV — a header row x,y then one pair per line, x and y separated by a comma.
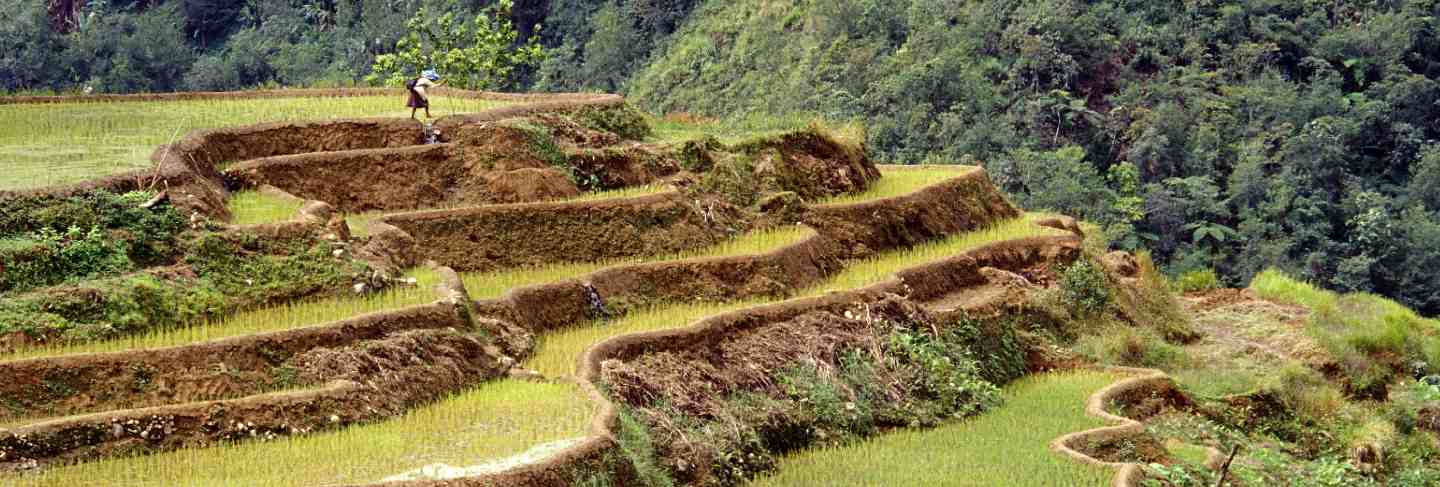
x,y
418,97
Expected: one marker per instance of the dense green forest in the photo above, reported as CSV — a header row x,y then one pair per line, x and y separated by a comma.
x,y
1232,135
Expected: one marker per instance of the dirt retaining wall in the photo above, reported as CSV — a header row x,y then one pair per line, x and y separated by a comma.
x,y
491,237
963,203
397,179
227,368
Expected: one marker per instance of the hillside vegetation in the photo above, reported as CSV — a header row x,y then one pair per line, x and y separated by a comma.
x,y
1228,134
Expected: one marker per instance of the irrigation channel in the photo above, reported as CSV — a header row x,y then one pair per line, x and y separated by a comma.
x,y
477,429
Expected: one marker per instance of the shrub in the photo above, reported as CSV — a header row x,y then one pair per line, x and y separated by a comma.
x,y
1306,392
49,257
1201,280
1084,288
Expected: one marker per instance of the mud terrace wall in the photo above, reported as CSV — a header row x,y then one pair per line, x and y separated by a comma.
x,y
397,179
490,237
557,305
964,203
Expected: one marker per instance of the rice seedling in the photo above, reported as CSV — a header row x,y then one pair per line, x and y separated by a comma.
x,y
681,126
480,424
875,269
360,222
252,321
56,143
556,353
626,192
1006,446
898,181
252,207
493,420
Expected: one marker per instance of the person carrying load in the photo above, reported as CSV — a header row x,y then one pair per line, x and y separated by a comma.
x,y
418,96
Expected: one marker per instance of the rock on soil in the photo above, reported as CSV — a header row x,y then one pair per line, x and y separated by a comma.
x,y
441,471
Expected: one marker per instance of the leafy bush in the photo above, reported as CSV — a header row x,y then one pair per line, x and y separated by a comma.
x,y
51,257
149,233
1084,288
1201,280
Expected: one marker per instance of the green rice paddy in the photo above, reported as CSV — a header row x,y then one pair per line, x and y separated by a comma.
x,y
1006,446
56,143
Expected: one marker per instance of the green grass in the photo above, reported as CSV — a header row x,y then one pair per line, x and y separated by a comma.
x,y
1187,452
1372,338
1276,286
55,143
901,181
252,207
1007,446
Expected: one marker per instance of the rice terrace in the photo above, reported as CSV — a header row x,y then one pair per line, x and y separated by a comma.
x,y
311,288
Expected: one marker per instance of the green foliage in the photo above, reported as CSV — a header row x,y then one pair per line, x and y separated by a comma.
x,y
1132,347
46,241
1373,340
1219,134
148,234
635,443
626,121
1084,288
1201,280
479,55
1178,475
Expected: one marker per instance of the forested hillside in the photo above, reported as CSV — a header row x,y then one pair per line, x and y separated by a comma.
x,y
1232,135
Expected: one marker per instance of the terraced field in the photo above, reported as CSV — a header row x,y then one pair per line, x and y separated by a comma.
x,y
57,143
1006,447
567,258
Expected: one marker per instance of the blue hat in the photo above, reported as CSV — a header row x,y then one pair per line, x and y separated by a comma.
x,y
431,74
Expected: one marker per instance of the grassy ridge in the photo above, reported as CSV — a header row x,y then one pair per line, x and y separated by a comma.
x,y
56,143
1007,446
